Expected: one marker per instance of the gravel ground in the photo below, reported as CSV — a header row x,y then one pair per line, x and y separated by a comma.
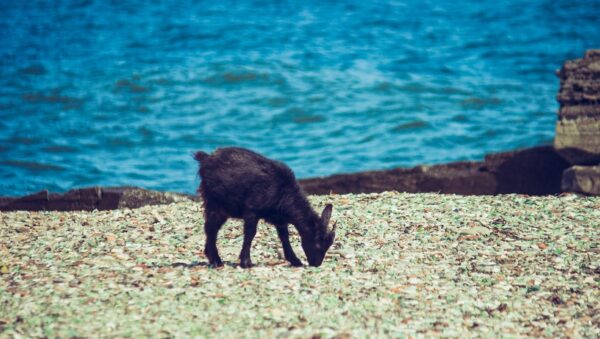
x,y
403,265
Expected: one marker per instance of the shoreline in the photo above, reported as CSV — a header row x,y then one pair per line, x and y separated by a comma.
x,y
569,165
531,171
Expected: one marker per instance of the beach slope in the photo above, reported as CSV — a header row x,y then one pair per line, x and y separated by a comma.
x,y
403,265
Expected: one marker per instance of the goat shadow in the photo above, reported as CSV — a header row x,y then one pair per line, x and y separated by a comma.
x,y
193,264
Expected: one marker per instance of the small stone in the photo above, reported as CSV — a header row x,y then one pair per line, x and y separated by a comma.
x,y
582,179
110,238
475,230
556,300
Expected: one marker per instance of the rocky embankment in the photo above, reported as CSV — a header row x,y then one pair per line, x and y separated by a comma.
x,y
534,171
91,198
578,126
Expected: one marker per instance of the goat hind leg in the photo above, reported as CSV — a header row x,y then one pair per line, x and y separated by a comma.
x,y
250,223
212,224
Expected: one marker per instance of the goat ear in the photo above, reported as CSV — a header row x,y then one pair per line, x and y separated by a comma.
x,y
326,215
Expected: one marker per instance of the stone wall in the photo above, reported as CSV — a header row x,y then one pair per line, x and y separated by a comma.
x,y
534,171
578,126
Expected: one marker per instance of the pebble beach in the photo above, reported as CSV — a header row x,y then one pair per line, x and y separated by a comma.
x,y
403,265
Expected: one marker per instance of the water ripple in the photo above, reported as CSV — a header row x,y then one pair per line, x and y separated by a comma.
x,y
112,93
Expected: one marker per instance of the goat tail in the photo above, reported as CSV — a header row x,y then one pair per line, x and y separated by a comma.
x,y
200,156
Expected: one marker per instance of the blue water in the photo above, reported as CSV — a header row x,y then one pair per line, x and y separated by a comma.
x,y
113,93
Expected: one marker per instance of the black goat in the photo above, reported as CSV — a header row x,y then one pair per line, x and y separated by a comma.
x,y
239,183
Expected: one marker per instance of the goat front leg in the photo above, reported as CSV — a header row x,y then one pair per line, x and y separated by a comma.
x,y
284,236
250,223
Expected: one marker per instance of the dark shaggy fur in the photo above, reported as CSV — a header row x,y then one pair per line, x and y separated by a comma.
x,y
239,183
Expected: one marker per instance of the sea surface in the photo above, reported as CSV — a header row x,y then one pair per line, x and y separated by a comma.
x,y
118,93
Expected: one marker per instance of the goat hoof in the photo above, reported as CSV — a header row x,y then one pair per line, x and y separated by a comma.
x,y
245,263
216,264
296,263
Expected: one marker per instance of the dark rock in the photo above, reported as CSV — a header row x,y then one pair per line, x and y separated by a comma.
x,y
88,199
133,197
535,171
32,202
556,300
582,179
460,178
111,197
578,126
78,199
6,200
